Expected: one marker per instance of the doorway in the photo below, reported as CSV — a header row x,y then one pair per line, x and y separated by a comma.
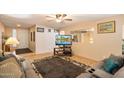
x,y
22,36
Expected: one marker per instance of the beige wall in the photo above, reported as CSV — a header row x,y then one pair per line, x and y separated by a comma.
x,y
8,32
104,44
45,41
1,30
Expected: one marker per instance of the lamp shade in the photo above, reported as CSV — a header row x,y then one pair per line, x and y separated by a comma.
x,y
12,41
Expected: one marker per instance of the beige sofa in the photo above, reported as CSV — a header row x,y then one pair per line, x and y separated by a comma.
x,y
15,67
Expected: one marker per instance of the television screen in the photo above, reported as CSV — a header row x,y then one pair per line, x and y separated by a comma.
x,y
63,40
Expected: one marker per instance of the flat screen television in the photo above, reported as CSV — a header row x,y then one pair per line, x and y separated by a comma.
x,y
63,40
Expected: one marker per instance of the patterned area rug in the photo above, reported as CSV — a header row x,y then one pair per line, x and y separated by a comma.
x,y
57,67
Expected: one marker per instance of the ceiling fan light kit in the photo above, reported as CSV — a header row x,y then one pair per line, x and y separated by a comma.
x,y
59,18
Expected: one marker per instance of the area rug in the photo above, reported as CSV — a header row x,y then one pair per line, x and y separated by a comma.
x,y
57,67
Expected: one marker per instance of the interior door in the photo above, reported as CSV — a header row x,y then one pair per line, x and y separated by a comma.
x,y
22,36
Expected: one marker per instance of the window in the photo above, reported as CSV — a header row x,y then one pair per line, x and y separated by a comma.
x,y
14,34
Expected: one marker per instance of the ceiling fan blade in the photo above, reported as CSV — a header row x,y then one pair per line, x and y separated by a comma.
x,y
50,16
64,15
50,20
68,19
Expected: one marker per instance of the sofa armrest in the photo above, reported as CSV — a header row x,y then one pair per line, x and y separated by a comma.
x,y
101,74
27,65
29,70
19,58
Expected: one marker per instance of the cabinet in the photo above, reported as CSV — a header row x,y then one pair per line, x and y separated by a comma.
x,y
63,51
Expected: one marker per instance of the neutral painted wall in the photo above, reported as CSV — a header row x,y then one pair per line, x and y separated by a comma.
x,y
45,42
8,32
104,44
123,33
1,30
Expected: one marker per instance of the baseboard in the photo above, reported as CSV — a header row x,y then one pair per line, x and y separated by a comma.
x,y
85,57
46,53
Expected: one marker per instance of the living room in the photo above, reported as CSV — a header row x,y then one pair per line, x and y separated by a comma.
x,y
39,52
36,35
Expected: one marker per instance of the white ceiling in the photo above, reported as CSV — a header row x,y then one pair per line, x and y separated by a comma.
x,y
27,21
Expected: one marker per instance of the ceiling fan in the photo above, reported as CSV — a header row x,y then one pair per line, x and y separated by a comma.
x,y
59,18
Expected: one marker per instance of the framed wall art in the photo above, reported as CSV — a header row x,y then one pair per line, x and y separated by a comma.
x,y
106,27
40,29
76,37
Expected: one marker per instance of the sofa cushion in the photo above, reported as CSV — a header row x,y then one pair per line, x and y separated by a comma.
x,y
119,59
110,64
2,58
10,68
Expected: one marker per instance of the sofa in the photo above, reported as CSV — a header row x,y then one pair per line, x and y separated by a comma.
x,y
16,67
98,71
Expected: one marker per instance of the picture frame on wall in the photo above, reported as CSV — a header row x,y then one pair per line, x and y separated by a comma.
x,y
106,27
76,37
40,29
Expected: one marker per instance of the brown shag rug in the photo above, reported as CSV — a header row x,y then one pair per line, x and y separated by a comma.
x,y
57,67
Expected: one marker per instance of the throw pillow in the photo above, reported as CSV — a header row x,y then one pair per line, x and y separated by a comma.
x,y
2,58
119,59
110,65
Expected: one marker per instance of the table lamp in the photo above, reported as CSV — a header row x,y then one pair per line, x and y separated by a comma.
x,y
12,42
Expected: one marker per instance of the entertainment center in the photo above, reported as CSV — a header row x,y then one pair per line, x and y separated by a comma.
x,y
64,43
63,51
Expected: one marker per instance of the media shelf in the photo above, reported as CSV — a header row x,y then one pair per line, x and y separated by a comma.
x,y
63,51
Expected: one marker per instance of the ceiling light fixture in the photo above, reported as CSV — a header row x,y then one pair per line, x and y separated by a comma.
x,y
18,25
58,20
